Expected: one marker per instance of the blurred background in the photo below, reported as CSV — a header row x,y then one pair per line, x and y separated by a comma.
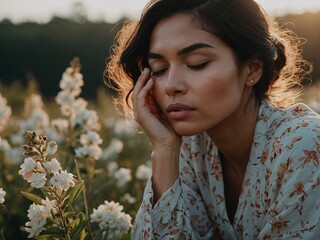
x,y
38,38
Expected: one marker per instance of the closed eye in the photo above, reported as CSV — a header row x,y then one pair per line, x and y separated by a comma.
x,y
158,73
193,67
198,66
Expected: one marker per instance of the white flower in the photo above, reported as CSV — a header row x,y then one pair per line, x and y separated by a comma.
x,y
4,145
52,134
66,110
41,117
78,106
115,146
71,83
143,172
5,112
128,198
17,139
38,212
64,98
88,119
110,217
90,138
82,152
109,122
123,175
52,148
39,167
38,215
112,167
60,125
53,166
37,180
63,180
50,205
124,127
15,155
2,195
33,102
27,168
38,119
90,151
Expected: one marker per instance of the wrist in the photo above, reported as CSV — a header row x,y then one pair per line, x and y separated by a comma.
x,y
165,169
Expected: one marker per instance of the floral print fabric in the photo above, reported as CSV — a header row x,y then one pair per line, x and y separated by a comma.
x,y
280,196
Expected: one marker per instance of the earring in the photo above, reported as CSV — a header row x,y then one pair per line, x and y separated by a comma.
x,y
251,81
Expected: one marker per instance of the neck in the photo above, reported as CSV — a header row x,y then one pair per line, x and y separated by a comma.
x,y
234,136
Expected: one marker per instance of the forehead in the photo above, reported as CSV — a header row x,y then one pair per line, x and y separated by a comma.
x,y
178,29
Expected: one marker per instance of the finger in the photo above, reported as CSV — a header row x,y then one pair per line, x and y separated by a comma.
x,y
140,101
153,104
141,82
146,89
155,109
141,97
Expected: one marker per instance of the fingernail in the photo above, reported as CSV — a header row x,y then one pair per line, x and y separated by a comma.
x,y
150,81
144,71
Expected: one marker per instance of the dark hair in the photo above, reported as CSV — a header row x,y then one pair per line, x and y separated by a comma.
x,y
241,24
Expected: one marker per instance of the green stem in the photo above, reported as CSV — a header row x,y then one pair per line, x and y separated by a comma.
x,y
85,200
90,174
62,219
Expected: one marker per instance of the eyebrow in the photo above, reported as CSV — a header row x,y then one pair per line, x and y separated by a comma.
x,y
183,51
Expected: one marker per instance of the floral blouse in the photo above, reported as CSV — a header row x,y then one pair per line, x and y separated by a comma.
x,y
280,195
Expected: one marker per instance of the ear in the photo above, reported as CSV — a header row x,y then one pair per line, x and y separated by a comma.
x,y
253,71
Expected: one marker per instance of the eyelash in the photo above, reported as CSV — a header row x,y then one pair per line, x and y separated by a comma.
x,y
199,66
193,67
158,73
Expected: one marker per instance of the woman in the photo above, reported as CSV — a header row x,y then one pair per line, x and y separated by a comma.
x,y
213,84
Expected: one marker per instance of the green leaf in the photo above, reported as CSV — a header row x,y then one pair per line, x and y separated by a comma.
x,y
34,198
73,193
80,223
48,237
51,233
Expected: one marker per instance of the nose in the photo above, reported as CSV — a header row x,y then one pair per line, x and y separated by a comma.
x,y
175,83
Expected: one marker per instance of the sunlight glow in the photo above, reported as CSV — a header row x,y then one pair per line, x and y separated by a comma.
x,y
110,10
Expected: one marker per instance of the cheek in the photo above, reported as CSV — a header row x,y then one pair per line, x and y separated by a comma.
x,y
158,93
217,86
225,83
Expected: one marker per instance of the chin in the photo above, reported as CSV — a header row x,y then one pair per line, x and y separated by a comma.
x,y
187,131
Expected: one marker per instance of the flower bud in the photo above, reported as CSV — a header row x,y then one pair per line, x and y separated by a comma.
x,y
52,148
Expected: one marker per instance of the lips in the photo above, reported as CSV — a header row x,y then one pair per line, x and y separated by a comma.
x,y
179,111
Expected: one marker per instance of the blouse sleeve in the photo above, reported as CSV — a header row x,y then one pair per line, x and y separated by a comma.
x,y
180,212
294,213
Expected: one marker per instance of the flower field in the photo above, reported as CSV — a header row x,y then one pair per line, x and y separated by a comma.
x,y
69,168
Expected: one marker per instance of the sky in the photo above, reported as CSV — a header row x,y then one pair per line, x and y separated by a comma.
x,y
111,10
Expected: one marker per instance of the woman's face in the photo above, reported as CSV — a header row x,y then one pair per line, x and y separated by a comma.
x,y
197,83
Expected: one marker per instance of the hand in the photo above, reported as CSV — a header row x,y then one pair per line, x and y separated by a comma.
x,y
149,116
165,142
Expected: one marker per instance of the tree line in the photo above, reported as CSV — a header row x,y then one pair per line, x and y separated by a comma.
x,y
42,51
